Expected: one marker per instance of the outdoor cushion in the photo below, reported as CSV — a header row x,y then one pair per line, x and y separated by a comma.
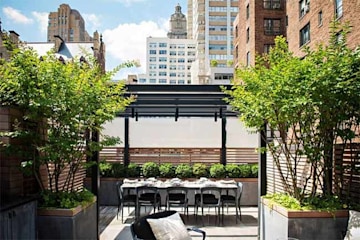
x,y
353,229
169,228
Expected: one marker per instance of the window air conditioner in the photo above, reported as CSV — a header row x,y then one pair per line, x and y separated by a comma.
x,y
306,8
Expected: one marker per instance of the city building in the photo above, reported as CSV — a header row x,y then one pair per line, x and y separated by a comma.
x,y
210,24
178,24
255,29
68,24
309,22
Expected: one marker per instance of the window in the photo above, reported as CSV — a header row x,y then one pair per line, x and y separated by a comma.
x,y
172,74
172,81
247,35
152,66
162,66
181,60
304,7
305,34
162,45
272,4
172,60
338,8
320,18
152,51
162,52
152,74
152,45
162,59
272,26
248,59
267,47
162,81
152,80
247,11
172,67
152,59
181,81
162,74
172,53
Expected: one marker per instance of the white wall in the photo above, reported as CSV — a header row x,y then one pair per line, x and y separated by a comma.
x,y
186,132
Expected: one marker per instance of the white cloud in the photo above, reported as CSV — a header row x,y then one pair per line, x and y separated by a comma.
x,y
42,19
128,41
16,16
92,22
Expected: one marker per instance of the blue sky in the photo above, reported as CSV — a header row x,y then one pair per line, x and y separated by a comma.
x,y
125,24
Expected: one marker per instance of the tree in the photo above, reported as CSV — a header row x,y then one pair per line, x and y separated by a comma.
x,y
308,104
60,103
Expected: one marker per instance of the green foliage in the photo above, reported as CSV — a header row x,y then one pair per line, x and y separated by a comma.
x,y
119,170
133,170
254,170
183,171
308,103
167,170
150,169
327,203
232,171
61,104
213,63
105,169
200,170
245,170
217,171
65,199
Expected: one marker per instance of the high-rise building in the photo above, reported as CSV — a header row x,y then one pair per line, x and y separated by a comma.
x,y
309,22
68,24
211,24
177,25
255,29
169,59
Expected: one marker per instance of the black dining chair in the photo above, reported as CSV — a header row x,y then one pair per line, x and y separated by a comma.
x,y
147,196
232,198
209,197
124,199
177,196
140,229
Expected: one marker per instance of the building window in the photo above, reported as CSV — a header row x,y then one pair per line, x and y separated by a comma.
x,y
305,34
247,35
172,74
152,51
181,81
304,7
152,66
162,45
320,18
162,74
162,81
272,4
162,52
267,47
272,26
162,59
172,81
338,8
247,11
248,59
152,59
152,80
162,66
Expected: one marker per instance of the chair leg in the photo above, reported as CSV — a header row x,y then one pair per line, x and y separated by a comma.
x,y
222,215
202,215
237,214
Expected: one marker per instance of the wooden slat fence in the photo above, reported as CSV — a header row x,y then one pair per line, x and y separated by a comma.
x,y
180,155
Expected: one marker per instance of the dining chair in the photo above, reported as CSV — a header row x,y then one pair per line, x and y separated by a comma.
x,y
209,197
124,199
232,198
177,196
147,196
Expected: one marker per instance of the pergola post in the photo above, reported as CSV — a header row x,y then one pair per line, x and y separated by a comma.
x,y
126,142
95,178
223,140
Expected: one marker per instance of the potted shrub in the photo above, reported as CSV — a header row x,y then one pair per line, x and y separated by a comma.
x,y
306,105
150,169
133,170
245,170
217,171
232,170
200,170
167,170
183,171
62,104
254,170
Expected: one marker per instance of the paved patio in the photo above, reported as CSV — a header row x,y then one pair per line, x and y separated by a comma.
x,y
246,229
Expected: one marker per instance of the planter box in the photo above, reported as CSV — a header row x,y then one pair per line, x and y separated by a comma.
x,y
277,222
107,192
77,223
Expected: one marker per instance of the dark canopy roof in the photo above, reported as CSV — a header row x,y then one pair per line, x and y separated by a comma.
x,y
177,101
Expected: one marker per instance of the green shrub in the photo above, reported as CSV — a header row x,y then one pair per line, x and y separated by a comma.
x,y
200,170
245,170
167,170
183,171
119,170
150,169
65,199
255,170
232,171
105,169
133,170
217,171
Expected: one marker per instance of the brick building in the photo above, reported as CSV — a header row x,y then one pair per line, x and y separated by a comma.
x,y
255,28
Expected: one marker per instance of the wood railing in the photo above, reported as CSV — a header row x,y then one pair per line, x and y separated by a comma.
x,y
180,155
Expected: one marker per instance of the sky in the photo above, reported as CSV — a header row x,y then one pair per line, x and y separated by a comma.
x,y
124,24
